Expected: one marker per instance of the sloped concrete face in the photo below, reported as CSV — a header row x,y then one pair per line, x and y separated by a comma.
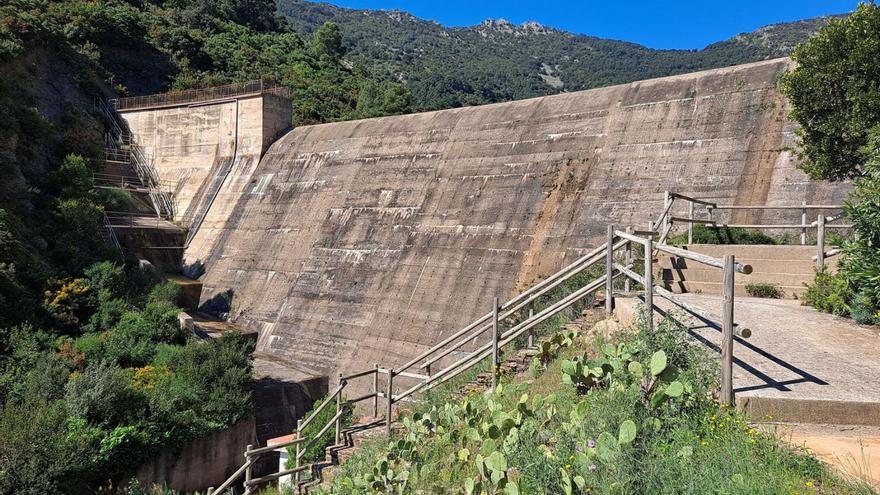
x,y
364,242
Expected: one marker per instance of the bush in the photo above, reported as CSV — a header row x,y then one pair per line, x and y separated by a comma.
x,y
37,455
102,395
765,290
107,277
91,345
863,310
209,385
726,235
318,450
133,340
829,293
166,292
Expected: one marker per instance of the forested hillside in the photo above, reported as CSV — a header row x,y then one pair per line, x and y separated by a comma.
x,y
498,61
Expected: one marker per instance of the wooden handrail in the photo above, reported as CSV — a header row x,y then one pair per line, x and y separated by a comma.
x,y
710,204
320,433
320,408
554,280
702,258
597,255
274,447
771,207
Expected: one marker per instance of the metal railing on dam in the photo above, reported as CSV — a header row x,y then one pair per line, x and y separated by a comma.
x,y
171,98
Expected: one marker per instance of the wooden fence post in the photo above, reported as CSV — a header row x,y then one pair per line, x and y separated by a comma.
x,y
649,283
609,272
376,392
296,476
248,471
338,409
726,395
389,402
531,343
494,342
820,243
627,260
667,202
803,222
691,223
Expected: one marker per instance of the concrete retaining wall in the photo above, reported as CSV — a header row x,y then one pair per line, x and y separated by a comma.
x,y
206,462
363,242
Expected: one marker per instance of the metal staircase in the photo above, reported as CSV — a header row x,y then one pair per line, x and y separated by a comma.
x,y
122,150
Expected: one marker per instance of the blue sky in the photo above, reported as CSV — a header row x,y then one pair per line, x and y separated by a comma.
x,y
657,24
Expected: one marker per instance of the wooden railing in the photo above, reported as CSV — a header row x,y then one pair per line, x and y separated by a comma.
x,y
709,217
617,255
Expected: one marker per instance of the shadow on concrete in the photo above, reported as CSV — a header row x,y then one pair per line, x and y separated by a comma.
x,y
770,382
219,305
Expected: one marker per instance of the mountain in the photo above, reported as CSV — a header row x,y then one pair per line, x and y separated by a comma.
x,y
500,61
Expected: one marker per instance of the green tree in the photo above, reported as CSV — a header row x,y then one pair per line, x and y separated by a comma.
x,y
835,94
328,41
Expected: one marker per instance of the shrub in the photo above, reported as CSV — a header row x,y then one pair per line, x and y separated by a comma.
x,y
726,235
102,395
209,385
863,310
37,455
133,340
765,290
106,276
166,292
91,345
108,313
318,450
829,293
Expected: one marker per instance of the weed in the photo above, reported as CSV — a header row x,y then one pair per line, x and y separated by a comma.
x,y
765,290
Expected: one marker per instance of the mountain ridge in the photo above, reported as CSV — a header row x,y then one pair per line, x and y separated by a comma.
x,y
497,60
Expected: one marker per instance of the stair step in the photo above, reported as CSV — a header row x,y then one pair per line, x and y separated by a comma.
x,y
789,291
784,252
804,266
715,276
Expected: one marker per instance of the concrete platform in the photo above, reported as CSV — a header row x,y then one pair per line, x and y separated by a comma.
x,y
800,365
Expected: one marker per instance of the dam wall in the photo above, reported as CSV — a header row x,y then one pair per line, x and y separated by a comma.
x,y
194,146
364,242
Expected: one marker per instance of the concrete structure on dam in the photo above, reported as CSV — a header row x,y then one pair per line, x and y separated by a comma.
x,y
197,145
360,242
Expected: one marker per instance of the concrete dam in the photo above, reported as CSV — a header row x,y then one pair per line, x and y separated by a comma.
x,y
354,243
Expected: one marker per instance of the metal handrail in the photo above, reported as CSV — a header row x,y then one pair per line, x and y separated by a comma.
x,y
179,97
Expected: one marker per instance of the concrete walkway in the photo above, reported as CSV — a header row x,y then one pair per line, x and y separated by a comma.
x,y
799,365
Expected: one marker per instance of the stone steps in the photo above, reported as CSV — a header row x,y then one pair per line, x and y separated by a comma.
x,y
788,267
